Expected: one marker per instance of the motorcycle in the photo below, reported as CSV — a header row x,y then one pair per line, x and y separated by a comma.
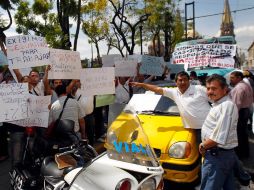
x,y
129,163
29,174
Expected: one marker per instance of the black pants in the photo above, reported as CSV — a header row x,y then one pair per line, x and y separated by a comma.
x,y
3,140
90,123
242,150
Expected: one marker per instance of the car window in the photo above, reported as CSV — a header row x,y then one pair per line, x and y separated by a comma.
x,y
152,104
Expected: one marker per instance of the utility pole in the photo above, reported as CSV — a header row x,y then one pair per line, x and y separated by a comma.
x,y
191,18
167,32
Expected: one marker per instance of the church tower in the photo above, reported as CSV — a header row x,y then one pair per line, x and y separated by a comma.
x,y
227,26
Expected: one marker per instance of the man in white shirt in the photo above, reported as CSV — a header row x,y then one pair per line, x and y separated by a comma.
x,y
36,87
219,137
191,100
72,111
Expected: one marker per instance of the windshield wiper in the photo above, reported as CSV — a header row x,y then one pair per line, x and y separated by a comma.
x,y
158,112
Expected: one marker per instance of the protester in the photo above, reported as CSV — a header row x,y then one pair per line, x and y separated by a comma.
x,y
242,96
7,79
194,78
36,87
191,100
87,105
3,143
219,138
72,111
123,91
248,79
55,82
18,138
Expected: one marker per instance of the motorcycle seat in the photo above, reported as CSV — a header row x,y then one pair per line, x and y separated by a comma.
x,y
49,168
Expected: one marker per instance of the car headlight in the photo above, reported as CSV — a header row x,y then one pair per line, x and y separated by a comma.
x,y
149,184
179,150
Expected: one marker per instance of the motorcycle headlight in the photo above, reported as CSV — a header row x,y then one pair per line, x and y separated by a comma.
x,y
179,150
149,184
111,137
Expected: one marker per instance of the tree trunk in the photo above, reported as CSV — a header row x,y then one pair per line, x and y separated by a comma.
x,y
98,53
78,27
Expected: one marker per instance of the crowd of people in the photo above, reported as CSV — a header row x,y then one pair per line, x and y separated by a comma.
x,y
221,115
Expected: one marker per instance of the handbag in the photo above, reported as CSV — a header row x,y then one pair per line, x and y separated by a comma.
x,y
50,130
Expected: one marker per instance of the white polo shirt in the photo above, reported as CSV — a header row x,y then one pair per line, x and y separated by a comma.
x,y
86,102
192,104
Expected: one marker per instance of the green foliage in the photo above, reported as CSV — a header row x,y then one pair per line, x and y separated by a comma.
x,y
41,7
94,23
27,20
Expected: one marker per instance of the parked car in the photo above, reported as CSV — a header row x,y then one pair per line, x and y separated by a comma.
x,y
174,145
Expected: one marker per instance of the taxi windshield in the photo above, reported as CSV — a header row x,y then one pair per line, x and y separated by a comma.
x,y
153,104
127,142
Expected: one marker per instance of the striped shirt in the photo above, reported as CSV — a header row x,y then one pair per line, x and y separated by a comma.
x,y
220,124
242,95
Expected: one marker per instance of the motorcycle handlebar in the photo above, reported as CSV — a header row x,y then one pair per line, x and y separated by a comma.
x,y
67,148
72,148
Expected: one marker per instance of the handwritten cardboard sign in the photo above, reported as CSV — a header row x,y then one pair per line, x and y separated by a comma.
x,y
125,68
109,60
97,81
13,101
151,65
27,51
13,89
65,64
135,57
37,110
200,55
3,58
175,68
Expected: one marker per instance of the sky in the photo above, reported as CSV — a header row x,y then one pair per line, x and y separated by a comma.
x,y
210,26
207,26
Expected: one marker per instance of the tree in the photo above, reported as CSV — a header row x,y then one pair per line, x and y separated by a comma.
x,y
41,18
126,22
6,5
95,24
164,19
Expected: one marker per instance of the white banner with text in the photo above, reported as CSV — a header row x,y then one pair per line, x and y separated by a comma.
x,y
98,81
25,51
65,64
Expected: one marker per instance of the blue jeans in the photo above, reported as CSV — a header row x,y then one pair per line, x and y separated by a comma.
x,y
217,171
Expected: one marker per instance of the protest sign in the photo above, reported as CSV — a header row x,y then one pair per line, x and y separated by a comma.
x,y
109,60
65,64
3,58
27,51
97,81
13,101
125,68
151,65
200,55
174,68
37,110
135,57
103,100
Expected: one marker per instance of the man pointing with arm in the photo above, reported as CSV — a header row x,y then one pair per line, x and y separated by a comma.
x,y
191,100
